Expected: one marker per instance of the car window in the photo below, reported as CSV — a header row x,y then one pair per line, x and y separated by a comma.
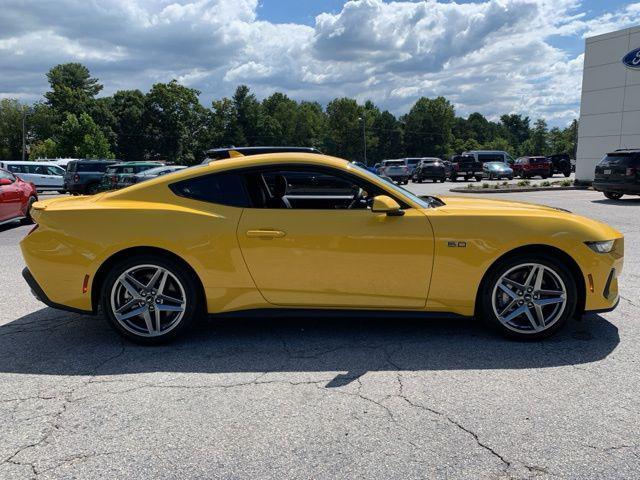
x,y
620,160
394,163
91,167
16,169
54,171
221,188
9,175
490,157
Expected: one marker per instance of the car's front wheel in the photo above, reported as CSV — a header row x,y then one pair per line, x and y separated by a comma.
x,y
529,298
150,299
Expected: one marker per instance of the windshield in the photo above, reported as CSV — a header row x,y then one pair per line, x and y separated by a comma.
x,y
396,163
392,186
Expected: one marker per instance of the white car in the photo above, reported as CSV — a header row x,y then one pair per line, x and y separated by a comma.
x,y
46,176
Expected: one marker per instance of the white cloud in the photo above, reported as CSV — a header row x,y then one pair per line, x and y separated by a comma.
x,y
492,56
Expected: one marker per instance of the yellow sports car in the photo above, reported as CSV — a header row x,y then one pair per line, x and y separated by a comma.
x,y
303,231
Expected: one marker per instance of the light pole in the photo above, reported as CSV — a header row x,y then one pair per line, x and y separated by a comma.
x,y
364,137
24,143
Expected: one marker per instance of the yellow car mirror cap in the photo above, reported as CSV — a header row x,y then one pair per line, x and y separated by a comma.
x,y
386,204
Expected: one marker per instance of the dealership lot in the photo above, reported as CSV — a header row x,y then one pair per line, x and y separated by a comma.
x,y
323,398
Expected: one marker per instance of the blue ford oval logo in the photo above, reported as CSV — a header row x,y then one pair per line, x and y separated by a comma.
x,y
632,59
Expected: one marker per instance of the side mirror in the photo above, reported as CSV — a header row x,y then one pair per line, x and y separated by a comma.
x,y
386,204
5,181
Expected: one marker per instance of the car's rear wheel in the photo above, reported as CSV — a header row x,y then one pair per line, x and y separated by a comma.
x,y
92,189
613,195
150,299
529,298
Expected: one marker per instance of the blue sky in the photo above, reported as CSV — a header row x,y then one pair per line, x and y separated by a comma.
x,y
490,56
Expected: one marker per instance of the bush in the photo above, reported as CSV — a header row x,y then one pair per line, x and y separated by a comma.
x,y
524,183
485,185
545,184
566,183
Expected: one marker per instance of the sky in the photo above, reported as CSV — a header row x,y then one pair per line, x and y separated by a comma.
x,y
489,56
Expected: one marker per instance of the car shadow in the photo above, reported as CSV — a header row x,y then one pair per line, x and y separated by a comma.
x,y
49,342
623,202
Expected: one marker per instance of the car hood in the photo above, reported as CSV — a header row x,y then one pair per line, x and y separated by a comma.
x,y
497,206
589,228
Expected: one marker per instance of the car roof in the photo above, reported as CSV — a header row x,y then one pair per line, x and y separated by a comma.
x,y
229,152
28,162
133,164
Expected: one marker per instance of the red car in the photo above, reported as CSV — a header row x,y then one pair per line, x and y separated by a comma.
x,y
528,167
16,198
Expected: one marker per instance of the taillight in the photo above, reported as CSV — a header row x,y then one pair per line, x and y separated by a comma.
x,y
631,171
76,178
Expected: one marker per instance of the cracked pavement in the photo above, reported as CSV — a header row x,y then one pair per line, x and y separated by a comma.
x,y
312,398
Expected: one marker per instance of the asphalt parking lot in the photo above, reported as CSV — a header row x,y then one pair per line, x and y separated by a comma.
x,y
302,398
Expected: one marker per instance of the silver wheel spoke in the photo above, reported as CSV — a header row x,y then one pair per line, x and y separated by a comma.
x,y
535,326
548,301
128,305
167,298
132,313
516,313
168,308
128,285
531,276
539,278
158,320
556,293
155,278
163,282
507,290
506,309
539,316
147,320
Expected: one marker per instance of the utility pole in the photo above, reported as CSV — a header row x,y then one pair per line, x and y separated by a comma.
x,y
364,137
24,143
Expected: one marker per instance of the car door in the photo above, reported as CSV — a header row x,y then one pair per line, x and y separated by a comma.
x,y
56,177
321,253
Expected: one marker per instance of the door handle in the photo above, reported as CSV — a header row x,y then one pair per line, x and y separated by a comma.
x,y
263,233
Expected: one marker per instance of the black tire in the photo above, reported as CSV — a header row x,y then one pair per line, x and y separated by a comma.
x,y
27,217
92,189
510,262
192,300
567,173
479,179
510,177
454,178
613,195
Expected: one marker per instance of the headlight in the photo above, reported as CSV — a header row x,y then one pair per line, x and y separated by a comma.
x,y
601,247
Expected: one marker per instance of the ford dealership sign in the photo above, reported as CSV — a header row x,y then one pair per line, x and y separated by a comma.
x,y
632,59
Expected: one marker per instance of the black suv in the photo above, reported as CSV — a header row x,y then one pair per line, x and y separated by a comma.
x,y
430,169
84,176
618,173
561,164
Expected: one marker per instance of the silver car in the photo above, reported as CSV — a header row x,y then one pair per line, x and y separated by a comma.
x,y
46,176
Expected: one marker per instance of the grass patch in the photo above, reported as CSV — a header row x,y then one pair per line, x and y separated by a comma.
x,y
485,185
524,183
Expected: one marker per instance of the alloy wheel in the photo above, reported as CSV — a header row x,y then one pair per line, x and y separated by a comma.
x,y
148,300
529,298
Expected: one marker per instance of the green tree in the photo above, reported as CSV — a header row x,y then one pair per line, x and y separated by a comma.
x,y
175,123
249,116
47,148
72,88
344,129
127,108
536,144
310,126
428,127
515,129
81,137
389,137
11,113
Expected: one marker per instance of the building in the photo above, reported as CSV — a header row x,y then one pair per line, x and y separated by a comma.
x,y
610,105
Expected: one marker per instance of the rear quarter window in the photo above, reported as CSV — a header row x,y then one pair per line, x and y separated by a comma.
x,y
621,161
222,188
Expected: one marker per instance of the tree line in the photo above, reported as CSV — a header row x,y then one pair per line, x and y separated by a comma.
x,y
169,123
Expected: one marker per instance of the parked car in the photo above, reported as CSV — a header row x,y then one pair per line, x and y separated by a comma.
x,y
112,179
431,168
44,175
397,170
412,163
16,198
231,236
561,163
529,167
85,176
465,166
377,167
484,156
497,170
132,178
618,174
366,167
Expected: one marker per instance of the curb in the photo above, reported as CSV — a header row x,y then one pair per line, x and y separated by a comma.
x,y
515,190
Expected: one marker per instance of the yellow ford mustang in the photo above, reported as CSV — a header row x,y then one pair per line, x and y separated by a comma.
x,y
300,231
